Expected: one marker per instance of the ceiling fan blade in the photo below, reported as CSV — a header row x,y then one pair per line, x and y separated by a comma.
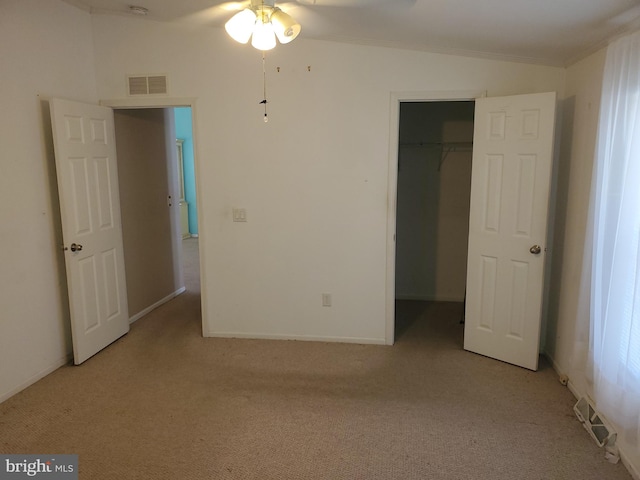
x,y
216,14
309,18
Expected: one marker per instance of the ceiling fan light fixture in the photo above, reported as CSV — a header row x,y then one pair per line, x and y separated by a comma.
x,y
262,22
284,26
241,25
263,37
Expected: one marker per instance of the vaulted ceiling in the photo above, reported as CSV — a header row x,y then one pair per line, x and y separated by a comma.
x,y
552,32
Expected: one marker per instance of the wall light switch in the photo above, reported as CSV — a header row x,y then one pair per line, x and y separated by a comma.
x,y
239,215
326,299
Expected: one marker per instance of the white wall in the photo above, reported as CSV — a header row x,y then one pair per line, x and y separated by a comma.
x,y
45,50
313,180
579,130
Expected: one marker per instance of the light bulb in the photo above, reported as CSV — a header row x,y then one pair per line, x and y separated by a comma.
x,y
263,36
284,26
266,119
240,26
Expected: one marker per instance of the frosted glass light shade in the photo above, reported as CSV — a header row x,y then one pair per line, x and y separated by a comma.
x,y
284,26
263,36
240,26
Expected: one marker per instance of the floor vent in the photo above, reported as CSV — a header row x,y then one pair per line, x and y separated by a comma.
x,y
147,84
598,428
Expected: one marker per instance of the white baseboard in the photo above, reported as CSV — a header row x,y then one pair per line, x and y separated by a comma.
x,y
635,473
147,310
69,357
303,338
38,376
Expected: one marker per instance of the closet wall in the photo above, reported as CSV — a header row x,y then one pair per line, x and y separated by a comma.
x,y
434,183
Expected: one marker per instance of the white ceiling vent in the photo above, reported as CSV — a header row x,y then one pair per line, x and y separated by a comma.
x,y
147,84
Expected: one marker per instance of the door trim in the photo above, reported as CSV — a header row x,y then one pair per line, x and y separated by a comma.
x,y
172,102
392,188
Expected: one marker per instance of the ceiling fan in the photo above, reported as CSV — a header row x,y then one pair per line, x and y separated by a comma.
x,y
263,21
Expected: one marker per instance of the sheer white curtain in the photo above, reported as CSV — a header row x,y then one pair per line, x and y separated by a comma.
x,y
614,340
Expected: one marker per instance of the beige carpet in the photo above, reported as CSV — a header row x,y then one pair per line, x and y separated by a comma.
x,y
165,403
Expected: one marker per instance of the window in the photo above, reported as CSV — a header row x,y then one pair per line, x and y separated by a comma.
x,y
615,266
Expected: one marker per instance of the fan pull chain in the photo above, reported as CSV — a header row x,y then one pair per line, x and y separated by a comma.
x,y
264,85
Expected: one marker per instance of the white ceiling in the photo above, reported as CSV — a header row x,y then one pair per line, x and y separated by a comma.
x,y
553,32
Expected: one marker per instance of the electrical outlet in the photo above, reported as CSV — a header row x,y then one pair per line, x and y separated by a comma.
x,y
326,299
239,215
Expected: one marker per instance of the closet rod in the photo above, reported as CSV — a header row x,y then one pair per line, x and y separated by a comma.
x,y
445,148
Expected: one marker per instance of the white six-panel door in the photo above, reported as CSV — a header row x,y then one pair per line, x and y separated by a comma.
x,y
84,143
512,160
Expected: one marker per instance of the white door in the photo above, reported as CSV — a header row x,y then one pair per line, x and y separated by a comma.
x,y
511,170
85,151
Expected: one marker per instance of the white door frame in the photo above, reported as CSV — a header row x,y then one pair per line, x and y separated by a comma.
x,y
172,102
392,189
